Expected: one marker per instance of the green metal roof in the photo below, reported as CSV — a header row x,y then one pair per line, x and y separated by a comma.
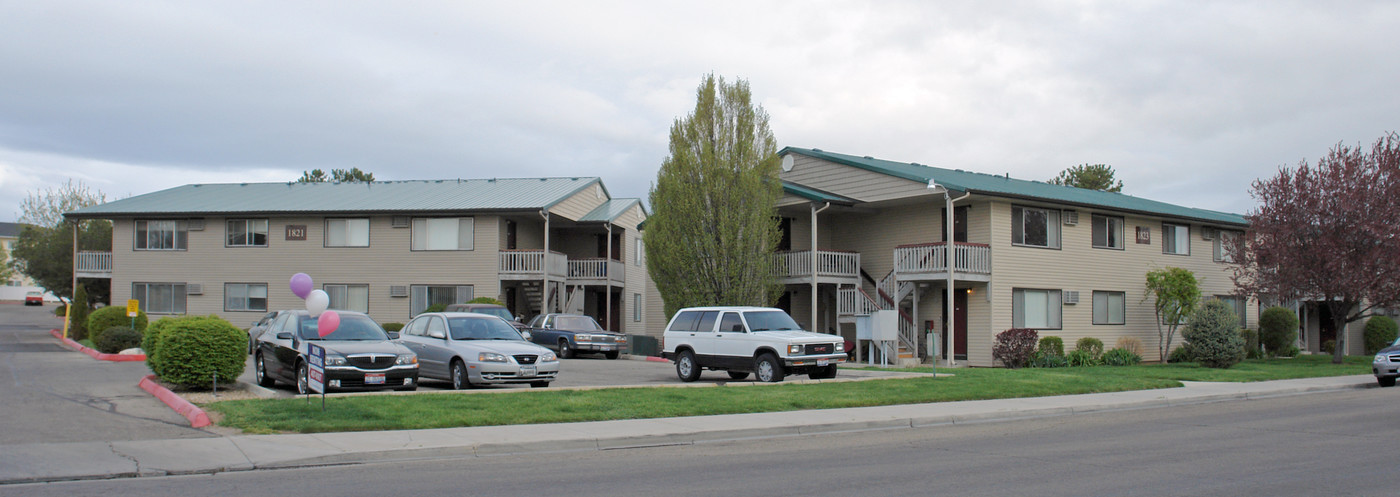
x,y
815,194
451,195
1005,186
610,210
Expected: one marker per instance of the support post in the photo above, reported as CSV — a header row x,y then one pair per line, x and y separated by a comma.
x,y
607,280
948,252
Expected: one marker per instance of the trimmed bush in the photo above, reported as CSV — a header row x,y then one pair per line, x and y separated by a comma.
x,y
1213,332
116,339
392,326
193,349
1251,343
112,317
486,300
1380,333
1278,329
1291,351
1121,357
1082,358
1052,346
1130,344
77,321
1042,360
1329,347
60,310
1014,347
1091,345
436,308
1182,354
150,341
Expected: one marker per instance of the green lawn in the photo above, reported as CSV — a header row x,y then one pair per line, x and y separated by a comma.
x,y
395,412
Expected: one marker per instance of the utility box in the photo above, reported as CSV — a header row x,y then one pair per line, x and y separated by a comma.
x,y
864,324
884,325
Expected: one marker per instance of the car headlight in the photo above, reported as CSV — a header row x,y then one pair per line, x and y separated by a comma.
x,y
548,357
335,360
794,350
1381,358
583,338
406,359
490,357
840,346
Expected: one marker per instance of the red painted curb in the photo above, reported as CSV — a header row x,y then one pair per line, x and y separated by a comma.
x,y
95,354
197,417
657,359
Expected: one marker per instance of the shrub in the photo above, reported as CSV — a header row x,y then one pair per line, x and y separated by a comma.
x,y
1213,332
486,300
1121,357
1291,351
1278,329
1013,347
1043,360
116,339
193,349
1251,343
1082,358
1329,347
1130,344
60,310
150,341
1182,353
1380,333
1052,346
112,317
392,326
77,325
1091,345
436,308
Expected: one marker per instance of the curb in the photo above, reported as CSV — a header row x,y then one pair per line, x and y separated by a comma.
x,y
197,417
657,359
95,354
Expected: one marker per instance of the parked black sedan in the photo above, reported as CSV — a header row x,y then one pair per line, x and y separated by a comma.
x,y
359,354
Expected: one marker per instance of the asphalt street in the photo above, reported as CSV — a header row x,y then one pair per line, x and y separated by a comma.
x,y
1318,444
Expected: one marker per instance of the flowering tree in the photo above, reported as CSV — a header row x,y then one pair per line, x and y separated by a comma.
x,y
1175,295
1328,232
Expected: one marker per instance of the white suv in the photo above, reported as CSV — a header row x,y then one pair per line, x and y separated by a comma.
x,y
743,340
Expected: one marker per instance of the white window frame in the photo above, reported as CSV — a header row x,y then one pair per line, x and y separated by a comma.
x,y
251,228
1111,234
1018,226
443,233
177,228
1178,233
178,294
1053,307
351,231
345,296
246,293
1106,303
420,296
637,255
1220,252
636,307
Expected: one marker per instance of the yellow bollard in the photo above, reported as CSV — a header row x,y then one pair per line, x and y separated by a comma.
x,y
66,310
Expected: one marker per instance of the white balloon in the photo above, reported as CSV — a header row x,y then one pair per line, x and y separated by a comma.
x,y
316,302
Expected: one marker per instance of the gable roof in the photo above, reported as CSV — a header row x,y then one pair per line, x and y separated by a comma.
x,y
815,194
610,210
451,195
1006,186
10,230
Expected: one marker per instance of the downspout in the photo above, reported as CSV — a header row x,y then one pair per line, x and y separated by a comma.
x,y
948,250
544,265
815,211
607,279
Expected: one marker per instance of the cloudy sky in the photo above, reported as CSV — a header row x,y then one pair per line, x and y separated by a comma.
x,y
1190,102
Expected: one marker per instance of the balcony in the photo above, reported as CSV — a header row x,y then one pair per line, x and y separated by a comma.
x,y
533,265
93,265
795,267
928,261
595,270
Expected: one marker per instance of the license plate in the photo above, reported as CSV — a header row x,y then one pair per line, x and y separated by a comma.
x,y
606,347
823,362
527,371
374,378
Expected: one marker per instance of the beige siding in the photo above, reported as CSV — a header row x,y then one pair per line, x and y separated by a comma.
x,y
581,203
634,272
856,183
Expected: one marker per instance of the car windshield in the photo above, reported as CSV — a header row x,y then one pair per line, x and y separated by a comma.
x,y
770,321
352,327
494,311
576,323
482,329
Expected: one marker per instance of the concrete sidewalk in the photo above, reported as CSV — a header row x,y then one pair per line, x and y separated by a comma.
x,y
96,460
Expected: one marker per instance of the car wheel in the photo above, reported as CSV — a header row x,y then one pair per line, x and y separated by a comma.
x,y
610,355
738,375
823,373
564,351
686,368
1386,381
539,384
768,369
260,370
303,382
460,379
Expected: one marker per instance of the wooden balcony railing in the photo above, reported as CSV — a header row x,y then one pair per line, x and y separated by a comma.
x,y
596,268
90,264
972,258
534,263
832,263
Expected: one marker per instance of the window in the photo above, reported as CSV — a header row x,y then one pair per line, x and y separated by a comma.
x,y
1225,241
1038,309
1108,307
730,322
637,307
1236,304
247,233
443,233
245,296
161,235
160,298
1176,239
348,297
1108,232
637,254
347,232
422,297
1035,227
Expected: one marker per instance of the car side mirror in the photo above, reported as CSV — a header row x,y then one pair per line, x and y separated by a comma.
x,y
393,335
437,334
525,335
284,336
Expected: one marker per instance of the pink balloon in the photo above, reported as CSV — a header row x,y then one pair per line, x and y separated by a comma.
x,y
327,323
301,284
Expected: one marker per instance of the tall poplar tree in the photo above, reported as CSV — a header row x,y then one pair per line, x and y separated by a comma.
x,y
712,231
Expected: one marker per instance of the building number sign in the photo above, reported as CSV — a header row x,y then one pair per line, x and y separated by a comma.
x,y
296,232
1144,235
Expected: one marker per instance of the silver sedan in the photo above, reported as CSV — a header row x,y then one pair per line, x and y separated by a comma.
x,y
470,349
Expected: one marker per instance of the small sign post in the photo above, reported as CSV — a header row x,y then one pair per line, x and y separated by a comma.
x,y
133,307
316,371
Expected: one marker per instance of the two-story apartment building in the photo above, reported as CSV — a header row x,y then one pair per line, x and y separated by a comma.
x,y
1066,261
388,248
